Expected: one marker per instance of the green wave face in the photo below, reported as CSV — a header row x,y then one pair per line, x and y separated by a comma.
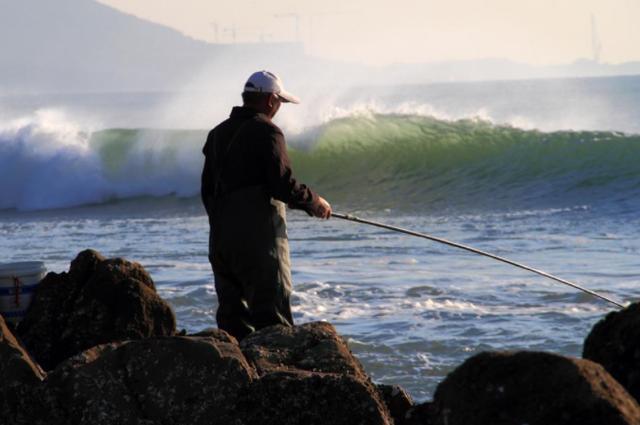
x,y
138,152
391,160
402,161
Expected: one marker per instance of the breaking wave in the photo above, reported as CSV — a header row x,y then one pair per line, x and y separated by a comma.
x,y
374,160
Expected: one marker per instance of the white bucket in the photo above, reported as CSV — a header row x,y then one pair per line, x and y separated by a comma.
x,y
18,282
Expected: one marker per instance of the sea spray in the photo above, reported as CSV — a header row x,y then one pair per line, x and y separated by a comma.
x,y
403,161
47,162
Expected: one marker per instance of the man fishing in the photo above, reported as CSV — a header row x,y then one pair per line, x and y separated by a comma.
x,y
246,181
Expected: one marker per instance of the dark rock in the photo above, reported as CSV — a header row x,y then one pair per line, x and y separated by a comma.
x,y
313,347
531,388
421,414
286,398
44,322
397,400
116,269
308,376
16,366
19,375
115,310
206,379
98,301
217,334
172,380
84,265
87,356
614,342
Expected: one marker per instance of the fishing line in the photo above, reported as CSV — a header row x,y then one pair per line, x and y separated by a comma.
x,y
350,217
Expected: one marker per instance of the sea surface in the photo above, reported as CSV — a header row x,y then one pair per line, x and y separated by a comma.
x,y
544,172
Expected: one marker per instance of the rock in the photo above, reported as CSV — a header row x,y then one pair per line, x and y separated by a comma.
x,y
288,398
98,301
421,414
397,400
531,388
19,374
172,380
16,366
313,347
614,342
217,334
110,345
84,265
44,322
116,269
308,376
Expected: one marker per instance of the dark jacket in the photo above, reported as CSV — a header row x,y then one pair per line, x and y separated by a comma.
x,y
246,150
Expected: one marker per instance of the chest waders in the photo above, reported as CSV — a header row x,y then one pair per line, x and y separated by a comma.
x,y
249,254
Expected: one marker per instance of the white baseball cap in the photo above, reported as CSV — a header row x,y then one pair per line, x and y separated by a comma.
x,y
267,82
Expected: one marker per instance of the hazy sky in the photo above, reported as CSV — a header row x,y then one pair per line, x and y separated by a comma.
x,y
383,31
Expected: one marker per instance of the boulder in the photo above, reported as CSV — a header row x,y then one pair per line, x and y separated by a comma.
x,y
16,366
312,347
531,388
44,322
308,376
217,334
176,380
420,414
293,398
19,375
84,265
98,301
397,400
614,342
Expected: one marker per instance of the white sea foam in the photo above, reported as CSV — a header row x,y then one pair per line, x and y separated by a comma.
x,y
46,162
49,161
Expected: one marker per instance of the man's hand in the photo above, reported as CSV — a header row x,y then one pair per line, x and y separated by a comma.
x,y
322,209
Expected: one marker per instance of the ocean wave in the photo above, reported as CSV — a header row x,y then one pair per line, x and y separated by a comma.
x,y
410,160
370,159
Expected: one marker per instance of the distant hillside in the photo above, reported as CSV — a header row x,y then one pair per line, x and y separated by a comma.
x,y
82,45
79,45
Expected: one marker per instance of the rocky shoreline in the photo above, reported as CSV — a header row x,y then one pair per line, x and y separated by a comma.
x,y
99,346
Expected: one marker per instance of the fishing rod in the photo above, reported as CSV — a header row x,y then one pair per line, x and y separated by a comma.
x,y
353,218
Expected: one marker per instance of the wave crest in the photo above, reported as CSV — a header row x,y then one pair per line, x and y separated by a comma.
x,y
372,160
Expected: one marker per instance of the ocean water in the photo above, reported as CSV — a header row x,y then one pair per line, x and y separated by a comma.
x,y
543,172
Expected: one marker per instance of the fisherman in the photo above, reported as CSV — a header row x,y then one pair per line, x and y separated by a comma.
x,y
246,182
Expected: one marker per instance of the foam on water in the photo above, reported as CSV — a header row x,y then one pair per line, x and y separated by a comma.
x,y
410,322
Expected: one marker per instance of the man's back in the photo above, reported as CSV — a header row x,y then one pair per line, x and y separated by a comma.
x,y
249,150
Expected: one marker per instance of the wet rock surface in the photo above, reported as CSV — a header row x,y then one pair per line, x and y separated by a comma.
x,y
99,300
614,342
533,388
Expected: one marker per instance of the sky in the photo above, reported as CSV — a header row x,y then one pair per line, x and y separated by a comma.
x,y
379,32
